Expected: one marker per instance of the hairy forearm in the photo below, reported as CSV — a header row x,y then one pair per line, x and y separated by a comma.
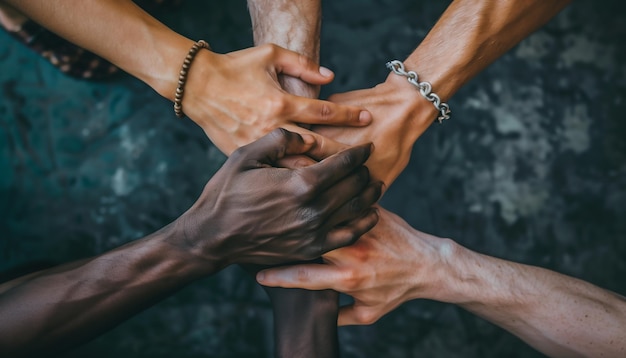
x,y
558,315
119,31
59,308
294,25
469,36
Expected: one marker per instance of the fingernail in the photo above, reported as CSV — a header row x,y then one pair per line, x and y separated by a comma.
x,y
365,117
260,276
325,71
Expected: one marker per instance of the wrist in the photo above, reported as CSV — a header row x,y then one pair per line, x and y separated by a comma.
x,y
161,72
193,246
415,111
475,281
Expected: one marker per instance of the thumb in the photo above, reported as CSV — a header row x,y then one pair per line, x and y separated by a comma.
x,y
299,66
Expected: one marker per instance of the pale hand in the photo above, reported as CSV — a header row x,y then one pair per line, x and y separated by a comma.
x,y
391,264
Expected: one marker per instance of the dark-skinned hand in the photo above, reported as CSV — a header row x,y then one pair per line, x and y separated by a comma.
x,y
251,212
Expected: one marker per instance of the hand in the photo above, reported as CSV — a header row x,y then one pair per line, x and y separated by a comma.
x,y
391,264
298,87
400,116
236,98
251,212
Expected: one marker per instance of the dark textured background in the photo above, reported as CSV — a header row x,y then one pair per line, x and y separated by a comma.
x,y
531,168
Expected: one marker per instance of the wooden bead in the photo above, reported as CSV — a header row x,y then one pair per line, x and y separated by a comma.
x,y
182,76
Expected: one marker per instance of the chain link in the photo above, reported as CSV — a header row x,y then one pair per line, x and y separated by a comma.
x,y
425,88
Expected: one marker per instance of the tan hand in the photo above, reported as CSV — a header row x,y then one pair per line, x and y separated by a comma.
x,y
236,98
391,264
400,117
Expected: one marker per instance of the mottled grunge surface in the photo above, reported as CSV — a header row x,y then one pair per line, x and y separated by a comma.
x,y
532,168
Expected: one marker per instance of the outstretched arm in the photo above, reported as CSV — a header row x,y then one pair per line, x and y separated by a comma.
x,y
305,321
250,212
468,37
294,25
235,98
558,315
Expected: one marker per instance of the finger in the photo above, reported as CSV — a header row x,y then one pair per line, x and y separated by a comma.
x,y
274,146
354,315
343,191
355,206
315,111
295,161
324,147
307,276
332,169
360,98
299,66
347,235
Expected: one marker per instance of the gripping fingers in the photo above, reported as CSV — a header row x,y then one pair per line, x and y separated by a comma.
x,y
348,234
274,146
334,168
343,192
356,205
315,111
299,66
323,148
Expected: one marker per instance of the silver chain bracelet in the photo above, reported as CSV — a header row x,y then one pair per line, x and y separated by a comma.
x,y
425,88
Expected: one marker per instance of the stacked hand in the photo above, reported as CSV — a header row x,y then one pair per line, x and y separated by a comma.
x,y
399,118
389,265
252,212
237,98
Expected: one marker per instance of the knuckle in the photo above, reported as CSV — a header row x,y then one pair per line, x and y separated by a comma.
x,y
276,106
355,206
306,185
269,49
239,154
351,280
279,135
310,218
352,235
304,61
347,159
366,317
326,112
302,275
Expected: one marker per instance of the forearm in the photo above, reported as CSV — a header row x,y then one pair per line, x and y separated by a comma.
x,y
558,315
294,25
119,31
305,322
469,36
59,308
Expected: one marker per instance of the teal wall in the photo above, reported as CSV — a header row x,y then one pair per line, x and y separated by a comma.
x,y
531,168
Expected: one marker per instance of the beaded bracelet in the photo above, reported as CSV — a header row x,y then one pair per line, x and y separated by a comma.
x,y
424,88
182,77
